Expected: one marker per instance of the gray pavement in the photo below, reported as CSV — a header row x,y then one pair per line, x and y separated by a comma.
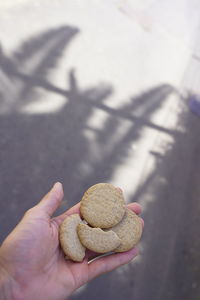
x,y
98,91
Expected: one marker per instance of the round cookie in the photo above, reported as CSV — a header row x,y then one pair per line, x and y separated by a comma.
x,y
129,230
96,239
69,239
103,205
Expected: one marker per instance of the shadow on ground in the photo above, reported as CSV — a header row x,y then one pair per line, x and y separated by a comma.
x,y
169,266
39,149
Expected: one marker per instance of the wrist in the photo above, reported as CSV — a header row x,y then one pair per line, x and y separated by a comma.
x,y
8,286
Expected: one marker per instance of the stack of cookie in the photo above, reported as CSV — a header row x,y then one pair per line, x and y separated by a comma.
x,y
107,224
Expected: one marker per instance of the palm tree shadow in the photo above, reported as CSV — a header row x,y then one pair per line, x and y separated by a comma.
x,y
30,66
38,149
45,148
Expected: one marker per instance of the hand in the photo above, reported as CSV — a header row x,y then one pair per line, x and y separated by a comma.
x,y
32,265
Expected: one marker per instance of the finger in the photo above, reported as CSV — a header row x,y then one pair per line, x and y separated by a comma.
x,y
142,221
52,200
73,210
76,210
135,207
108,263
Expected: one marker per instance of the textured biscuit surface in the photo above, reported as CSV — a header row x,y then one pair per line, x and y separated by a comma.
x,y
69,239
129,230
103,205
96,239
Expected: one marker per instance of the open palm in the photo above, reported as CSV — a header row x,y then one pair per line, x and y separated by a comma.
x,y
34,263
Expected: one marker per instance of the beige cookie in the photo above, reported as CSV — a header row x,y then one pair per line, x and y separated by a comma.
x,y
69,239
103,205
129,230
96,239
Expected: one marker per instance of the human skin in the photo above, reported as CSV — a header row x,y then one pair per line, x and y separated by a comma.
x,y
32,264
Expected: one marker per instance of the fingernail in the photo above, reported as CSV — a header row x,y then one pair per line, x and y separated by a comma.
x,y
57,184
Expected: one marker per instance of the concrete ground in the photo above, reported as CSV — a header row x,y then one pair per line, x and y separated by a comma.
x,y
98,91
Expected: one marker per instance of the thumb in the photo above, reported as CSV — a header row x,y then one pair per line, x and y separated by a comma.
x,y
51,201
